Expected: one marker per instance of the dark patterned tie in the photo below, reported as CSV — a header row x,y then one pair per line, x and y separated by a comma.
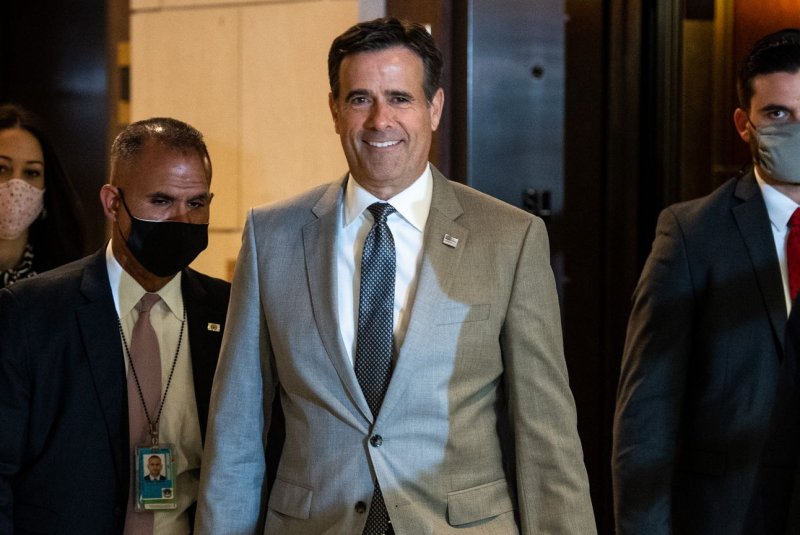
x,y
793,254
373,363
146,357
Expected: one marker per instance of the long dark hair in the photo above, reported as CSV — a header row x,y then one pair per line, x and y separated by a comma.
x,y
59,235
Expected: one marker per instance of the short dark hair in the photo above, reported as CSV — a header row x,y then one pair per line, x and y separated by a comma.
x,y
380,34
776,52
59,235
167,132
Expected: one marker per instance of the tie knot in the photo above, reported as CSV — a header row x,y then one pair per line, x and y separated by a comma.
x,y
380,211
146,302
794,221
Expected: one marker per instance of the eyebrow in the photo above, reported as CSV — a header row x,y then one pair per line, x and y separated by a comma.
x,y
202,197
404,94
161,194
773,107
356,93
28,162
390,93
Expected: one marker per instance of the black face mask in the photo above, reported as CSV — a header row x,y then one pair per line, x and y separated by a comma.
x,y
164,247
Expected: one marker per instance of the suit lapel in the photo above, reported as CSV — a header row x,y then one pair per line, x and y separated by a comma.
x,y
97,321
439,264
319,246
204,342
754,225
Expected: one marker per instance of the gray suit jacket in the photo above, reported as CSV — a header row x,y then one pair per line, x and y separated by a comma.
x,y
478,424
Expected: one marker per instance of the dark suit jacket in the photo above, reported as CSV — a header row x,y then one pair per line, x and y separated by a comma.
x,y
63,400
792,350
700,370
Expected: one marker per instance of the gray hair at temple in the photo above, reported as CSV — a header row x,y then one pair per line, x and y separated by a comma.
x,y
167,132
380,34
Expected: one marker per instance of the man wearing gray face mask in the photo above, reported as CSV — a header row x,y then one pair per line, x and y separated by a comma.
x,y
707,425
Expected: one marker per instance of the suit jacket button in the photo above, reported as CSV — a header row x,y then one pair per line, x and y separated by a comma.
x,y
376,441
118,511
361,507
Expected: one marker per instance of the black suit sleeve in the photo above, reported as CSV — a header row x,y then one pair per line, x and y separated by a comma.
x,y
14,403
652,385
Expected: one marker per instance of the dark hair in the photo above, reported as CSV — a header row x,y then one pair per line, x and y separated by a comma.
x,y
776,52
380,34
59,235
168,132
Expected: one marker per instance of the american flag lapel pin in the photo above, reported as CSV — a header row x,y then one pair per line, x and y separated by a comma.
x,y
450,241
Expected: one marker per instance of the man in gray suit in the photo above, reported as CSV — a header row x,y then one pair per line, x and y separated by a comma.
x,y
468,425
706,434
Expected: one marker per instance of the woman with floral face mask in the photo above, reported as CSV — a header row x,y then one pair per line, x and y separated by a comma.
x,y
41,220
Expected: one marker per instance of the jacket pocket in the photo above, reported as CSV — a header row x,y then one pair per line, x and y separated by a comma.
x,y
291,499
463,313
478,503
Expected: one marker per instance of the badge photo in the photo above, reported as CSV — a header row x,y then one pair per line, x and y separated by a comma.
x,y
155,479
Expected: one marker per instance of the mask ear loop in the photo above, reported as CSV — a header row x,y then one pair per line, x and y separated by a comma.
x,y
125,205
130,216
754,140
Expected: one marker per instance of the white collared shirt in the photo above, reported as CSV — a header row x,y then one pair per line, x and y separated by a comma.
x,y
780,209
407,225
179,424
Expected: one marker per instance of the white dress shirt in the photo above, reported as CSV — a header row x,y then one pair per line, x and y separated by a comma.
x,y
780,209
407,225
179,424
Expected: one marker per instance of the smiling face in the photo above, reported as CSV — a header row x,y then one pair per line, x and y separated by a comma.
x,y
383,119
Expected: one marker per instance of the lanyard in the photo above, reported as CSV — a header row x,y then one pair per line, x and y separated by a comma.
x,y
153,425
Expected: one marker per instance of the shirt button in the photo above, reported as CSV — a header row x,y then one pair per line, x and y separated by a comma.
x,y
376,441
361,507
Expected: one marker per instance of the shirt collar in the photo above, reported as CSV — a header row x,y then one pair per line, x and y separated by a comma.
x,y
413,203
127,292
779,207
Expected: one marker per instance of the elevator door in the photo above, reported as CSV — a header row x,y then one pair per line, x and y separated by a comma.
x,y
515,106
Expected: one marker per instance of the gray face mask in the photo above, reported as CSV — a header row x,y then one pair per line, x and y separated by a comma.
x,y
779,151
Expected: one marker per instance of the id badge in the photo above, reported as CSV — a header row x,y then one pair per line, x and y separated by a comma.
x,y
155,478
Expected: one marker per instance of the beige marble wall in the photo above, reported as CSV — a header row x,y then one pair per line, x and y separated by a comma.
x,y
250,75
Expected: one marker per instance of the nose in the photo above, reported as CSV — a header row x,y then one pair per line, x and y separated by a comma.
x,y
380,116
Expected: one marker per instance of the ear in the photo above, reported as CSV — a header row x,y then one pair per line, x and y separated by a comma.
x,y
334,111
741,120
436,106
109,198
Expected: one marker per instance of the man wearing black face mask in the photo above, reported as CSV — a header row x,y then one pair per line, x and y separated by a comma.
x,y
108,361
707,427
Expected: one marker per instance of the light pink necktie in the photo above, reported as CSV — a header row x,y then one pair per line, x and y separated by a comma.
x,y
146,358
